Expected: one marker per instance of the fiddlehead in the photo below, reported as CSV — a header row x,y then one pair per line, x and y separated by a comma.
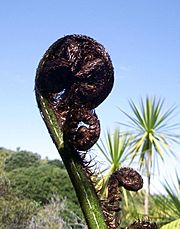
x,y
76,75
128,178
123,177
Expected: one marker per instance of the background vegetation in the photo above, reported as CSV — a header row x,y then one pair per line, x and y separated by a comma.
x,y
37,193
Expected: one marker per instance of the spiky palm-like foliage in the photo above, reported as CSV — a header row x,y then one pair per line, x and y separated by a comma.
x,y
115,151
151,131
167,207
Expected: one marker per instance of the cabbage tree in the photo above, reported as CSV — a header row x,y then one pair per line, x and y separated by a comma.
x,y
152,131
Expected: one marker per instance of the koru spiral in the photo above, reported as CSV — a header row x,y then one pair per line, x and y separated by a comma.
x,y
76,75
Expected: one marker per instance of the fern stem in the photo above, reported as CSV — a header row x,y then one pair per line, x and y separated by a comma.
x,y
85,190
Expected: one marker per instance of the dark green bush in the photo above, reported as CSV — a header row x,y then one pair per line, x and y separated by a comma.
x,y
21,159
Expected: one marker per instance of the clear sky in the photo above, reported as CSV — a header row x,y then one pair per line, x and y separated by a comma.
x,y
142,37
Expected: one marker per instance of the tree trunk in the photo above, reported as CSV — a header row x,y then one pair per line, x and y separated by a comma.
x,y
147,194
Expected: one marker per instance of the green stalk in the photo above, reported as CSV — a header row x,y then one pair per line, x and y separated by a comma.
x,y
85,190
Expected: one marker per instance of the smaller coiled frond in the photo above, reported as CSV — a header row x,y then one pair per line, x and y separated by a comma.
x,y
123,177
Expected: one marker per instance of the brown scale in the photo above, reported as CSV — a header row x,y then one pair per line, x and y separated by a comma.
x,y
76,75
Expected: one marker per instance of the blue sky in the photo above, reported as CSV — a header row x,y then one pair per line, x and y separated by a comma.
x,y
142,37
